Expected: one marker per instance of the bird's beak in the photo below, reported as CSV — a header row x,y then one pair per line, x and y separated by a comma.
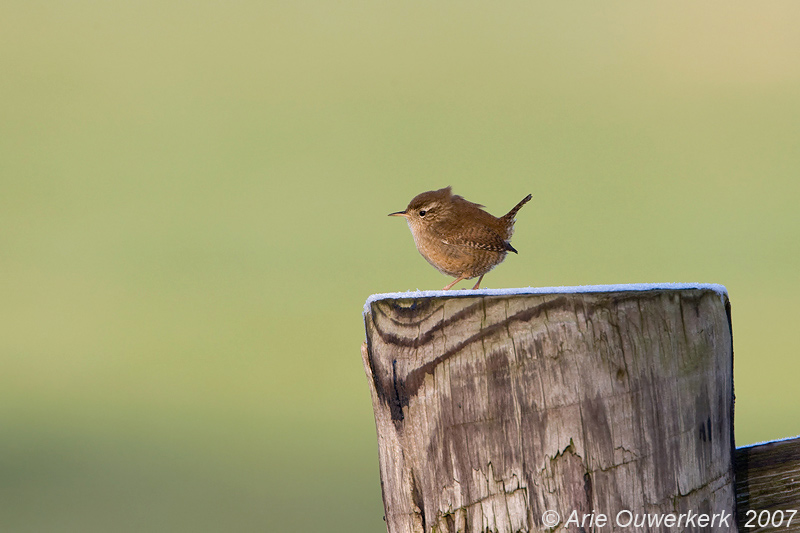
x,y
398,214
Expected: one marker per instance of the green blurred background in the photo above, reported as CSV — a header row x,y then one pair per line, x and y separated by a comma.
x,y
193,211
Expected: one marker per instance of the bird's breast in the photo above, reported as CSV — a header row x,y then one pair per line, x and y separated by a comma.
x,y
455,260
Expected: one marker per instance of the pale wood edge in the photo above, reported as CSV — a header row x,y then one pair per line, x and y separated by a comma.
x,y
768,478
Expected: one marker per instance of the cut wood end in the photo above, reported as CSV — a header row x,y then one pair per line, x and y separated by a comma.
x,y
622,287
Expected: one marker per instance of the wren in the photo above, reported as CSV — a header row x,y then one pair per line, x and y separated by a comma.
x,y
456,236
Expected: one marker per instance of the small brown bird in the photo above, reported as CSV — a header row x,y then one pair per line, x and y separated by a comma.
x,y
458,237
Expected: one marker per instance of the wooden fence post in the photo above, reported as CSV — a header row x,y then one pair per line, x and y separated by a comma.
x,y
494,410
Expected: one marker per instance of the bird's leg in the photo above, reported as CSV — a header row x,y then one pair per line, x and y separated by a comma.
x,y
459,278
479,282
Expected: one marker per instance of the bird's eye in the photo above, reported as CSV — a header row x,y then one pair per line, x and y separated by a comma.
x,y
422,213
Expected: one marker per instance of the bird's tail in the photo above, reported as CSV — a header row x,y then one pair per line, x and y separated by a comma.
x,y
511,214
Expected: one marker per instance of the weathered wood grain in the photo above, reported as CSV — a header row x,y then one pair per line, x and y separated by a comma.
x,y
491,410
768,479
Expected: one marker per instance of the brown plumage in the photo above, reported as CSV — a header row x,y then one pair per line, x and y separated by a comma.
x,y
458,237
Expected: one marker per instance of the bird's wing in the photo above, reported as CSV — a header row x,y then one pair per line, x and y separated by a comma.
x,y
479,237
